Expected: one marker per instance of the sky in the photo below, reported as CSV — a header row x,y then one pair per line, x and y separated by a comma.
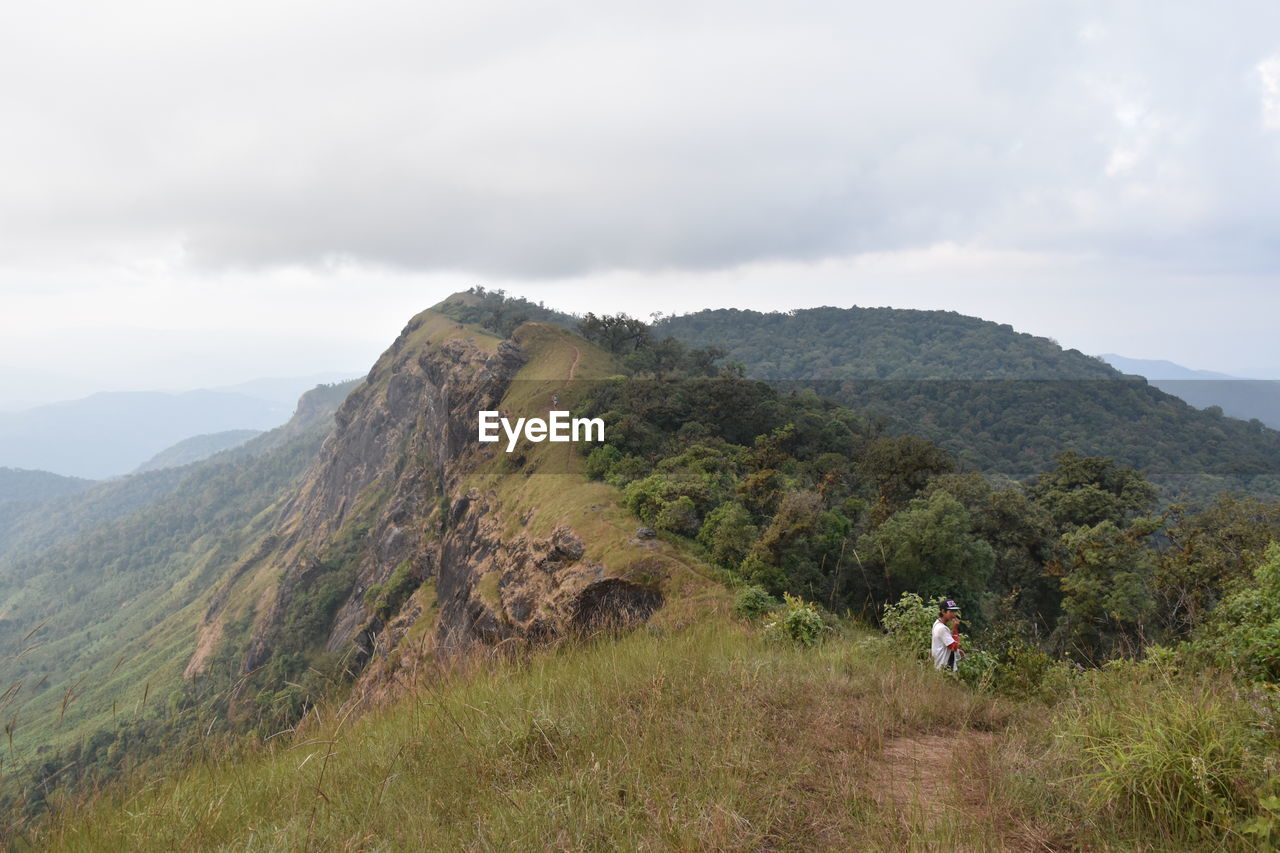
x,y
200,194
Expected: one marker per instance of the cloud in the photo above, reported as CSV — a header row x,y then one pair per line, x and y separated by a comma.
x,y
556,139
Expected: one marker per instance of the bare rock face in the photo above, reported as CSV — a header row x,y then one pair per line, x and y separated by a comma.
x,y
521,588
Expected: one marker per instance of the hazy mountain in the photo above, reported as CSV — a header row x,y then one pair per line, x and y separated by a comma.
x,y
196,448
1154,369
1246,399
22,491
113,433
286,390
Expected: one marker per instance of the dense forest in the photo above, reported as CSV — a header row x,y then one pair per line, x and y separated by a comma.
x,y
22,491
1000,401
799,492
798,495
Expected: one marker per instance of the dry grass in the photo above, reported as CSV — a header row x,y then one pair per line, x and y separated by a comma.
x,y
705,738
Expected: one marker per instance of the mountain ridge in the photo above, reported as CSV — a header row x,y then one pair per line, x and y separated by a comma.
x,y
1002,401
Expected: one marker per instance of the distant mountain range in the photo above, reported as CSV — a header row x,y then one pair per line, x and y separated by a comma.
x,y
113,433
1247,399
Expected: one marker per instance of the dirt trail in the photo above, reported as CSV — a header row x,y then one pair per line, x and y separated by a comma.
x,y
923,782
577,357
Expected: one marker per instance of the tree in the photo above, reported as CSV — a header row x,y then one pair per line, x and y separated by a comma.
x,y
928,547
1088,490
1106,600
799,551
1211,551
728,534
617,333
900,467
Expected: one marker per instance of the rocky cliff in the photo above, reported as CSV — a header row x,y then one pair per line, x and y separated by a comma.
x,y
408,528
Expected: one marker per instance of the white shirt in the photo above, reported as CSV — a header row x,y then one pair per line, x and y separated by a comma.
x,y
941,639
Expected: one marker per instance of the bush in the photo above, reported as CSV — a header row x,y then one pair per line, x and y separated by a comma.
x,y
979,670
679,516
1019,670
386,599
600,461
1242,634
798,622
909,624
753,602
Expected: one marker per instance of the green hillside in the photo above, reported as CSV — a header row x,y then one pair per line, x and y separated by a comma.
x,y
97,620
711,735
22,491
196,448
999,400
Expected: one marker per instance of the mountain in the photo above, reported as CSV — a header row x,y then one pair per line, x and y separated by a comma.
x,y
196,448
112,433
17,485
286,390
367,627
100,591
349,542
1002,401
1155,369
1247,399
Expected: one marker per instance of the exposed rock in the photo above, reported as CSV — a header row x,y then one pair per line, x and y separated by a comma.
x,y
645,533
613,602
566,544
391,485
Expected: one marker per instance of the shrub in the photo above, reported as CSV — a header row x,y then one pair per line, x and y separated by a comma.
x,y
1243,633
600,461
679,516
753,602
386,599
909,624
798,622
1019,669
979,670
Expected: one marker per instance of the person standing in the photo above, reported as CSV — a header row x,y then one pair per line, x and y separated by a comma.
x,y
945,643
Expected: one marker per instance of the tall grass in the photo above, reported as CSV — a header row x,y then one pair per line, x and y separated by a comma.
x,y
705,738
1146,757
709,737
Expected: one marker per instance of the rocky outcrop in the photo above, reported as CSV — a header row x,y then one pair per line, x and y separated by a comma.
x,y
391,500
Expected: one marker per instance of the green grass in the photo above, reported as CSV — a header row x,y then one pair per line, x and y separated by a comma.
x,y
1179,760
709,737
702,738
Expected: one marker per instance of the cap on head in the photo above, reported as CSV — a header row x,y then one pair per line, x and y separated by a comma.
x,y
949,604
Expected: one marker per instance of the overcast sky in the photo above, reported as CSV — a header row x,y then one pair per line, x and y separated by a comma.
x,y
199,194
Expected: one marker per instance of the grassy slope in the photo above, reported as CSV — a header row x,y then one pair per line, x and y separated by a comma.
x,y
549,487
133,654
704,737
